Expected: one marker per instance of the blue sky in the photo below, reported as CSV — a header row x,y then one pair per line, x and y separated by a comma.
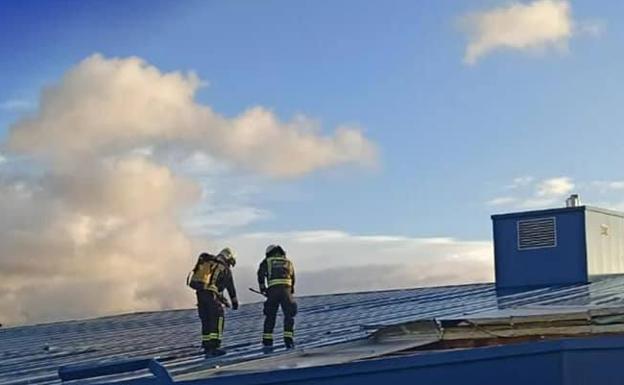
x,y
448,133
452,136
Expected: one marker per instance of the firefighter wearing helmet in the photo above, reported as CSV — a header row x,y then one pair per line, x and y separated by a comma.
x,y
276,280
210,277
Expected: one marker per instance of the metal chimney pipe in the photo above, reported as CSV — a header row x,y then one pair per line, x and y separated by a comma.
x,y
573,201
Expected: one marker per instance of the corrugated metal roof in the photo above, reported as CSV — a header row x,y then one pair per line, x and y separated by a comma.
x,y
33,354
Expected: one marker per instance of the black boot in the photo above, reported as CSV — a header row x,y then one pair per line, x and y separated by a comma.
x,y
214,352
207,348
267,343
211,349
218,352
289,343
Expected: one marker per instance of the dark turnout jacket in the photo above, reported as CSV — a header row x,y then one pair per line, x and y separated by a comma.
x,y
219,277
276,270
225,281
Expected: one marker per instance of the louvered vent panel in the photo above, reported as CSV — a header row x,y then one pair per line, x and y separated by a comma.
x,y
537,233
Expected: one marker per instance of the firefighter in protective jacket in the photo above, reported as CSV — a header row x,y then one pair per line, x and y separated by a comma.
x,y
210,277
276,278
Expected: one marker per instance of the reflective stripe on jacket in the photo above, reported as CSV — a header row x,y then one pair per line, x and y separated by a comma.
x,y
277,270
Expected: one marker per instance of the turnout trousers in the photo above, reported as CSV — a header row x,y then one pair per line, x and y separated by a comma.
x,y
279,296
211,314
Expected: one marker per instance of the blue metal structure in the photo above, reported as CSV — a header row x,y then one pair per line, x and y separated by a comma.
x,y
557,246
563,263
562,362
98,369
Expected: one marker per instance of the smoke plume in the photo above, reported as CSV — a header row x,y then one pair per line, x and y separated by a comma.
x,y
91,215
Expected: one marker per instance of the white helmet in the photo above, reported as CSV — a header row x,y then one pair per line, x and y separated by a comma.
x,y
271,248
227,255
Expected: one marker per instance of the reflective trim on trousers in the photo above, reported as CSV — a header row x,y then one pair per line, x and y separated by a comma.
x,y
211,336
220,323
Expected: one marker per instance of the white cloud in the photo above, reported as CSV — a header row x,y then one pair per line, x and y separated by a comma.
x,y
605,193
334,261
15,105
117,152
109,225
535,193
605,185
501,201
538,25
592,27
616,204
113,105
202,164
538,203
555,187
217,220
552,192
521,181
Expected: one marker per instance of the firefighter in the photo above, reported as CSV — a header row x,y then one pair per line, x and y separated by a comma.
x,y
210,277
276,279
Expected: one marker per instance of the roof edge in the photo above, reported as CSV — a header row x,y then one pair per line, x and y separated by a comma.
x,y
558,210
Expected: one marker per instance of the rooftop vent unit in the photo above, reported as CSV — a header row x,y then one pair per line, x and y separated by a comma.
x,y
573,201
557,246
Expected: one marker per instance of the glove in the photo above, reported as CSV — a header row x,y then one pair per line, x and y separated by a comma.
x,y
234,304
263,289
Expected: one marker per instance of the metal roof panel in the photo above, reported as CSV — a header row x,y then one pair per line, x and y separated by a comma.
x,y
33,354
